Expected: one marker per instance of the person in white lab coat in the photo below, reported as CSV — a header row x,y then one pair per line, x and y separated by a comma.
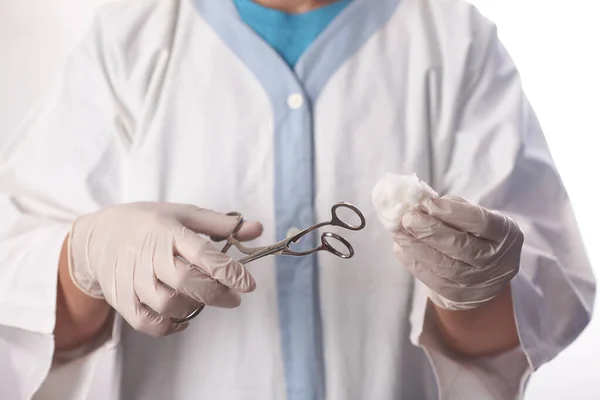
x,y
279,109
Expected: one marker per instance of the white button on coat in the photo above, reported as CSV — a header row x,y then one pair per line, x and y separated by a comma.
x,y
295,101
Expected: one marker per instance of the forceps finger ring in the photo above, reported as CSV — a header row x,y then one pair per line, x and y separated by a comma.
x,y
190,316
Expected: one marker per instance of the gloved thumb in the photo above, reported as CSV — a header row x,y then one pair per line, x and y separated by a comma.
x,y
212,223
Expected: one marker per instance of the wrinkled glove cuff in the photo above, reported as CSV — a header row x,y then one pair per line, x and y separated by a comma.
x,y
80,273
446,304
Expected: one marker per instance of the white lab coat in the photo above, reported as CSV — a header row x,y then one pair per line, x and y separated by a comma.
x,y
161,104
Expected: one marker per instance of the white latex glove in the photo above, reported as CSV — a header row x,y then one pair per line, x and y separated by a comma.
x,y
149,263
464,253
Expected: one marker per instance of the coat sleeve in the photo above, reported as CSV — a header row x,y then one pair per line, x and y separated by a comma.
x,y
500,160
62,162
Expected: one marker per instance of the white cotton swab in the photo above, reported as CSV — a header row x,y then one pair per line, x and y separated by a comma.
x,y
394,195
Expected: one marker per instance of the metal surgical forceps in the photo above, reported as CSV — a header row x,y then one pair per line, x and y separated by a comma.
x,y
283,247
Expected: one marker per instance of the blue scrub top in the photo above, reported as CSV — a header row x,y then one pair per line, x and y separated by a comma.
x,y
289,34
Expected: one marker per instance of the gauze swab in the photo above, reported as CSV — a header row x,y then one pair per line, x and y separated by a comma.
x,y
394,195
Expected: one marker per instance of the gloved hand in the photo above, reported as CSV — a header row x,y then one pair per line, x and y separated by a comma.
x,y
149,263
464,253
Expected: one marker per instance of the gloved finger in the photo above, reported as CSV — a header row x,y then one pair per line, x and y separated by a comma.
x,y
140,317
443,265
454,243
219,266
147,321
453,291
212,223
162,299
425,273
155,294
192,282
466,216
229,298
213,293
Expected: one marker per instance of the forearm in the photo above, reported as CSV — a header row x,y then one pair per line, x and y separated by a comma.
x,y
79,318
484,331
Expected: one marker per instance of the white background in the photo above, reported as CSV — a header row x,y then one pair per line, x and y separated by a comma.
x,y
556,45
